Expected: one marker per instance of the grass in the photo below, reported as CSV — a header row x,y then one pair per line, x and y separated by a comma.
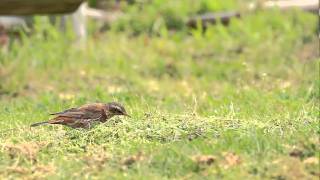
x,y
229,102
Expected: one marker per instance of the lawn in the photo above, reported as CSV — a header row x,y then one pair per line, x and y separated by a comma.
x,y
237,101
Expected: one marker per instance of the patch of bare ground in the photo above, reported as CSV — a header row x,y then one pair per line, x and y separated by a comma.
x,y
26,150
227,160
38,171
309,51
130,160
204,159
96,158
289,168
230,160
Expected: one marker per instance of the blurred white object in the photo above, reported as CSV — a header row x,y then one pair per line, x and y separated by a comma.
x,y
292,3
9,22
286,4
79,22
78,18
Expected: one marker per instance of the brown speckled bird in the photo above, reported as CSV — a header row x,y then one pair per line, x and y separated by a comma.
x,y
84,116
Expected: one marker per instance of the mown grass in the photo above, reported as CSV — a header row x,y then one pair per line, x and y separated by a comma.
x,y
229,102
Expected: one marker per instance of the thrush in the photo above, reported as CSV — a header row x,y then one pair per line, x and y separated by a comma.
x,y
84,116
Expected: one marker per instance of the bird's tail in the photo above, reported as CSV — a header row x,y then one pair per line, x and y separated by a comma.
x,y
38,124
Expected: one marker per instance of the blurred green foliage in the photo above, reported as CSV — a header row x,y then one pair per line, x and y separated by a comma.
x,y
153,16
250,89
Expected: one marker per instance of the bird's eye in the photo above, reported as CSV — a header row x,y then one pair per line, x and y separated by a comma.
x,y
117,110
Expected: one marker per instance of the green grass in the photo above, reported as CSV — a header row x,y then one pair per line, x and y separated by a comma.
x,y
245,95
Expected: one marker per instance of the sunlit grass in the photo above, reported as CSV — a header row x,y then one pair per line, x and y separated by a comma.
x,y
229,102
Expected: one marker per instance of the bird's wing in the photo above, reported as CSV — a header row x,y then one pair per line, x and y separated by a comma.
x,y
87,107
92,115
67,118
90,111
92,107
65,111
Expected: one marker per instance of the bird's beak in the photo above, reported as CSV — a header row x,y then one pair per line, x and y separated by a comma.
x,y
127,115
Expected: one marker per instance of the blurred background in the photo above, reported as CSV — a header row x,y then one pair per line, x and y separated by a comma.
x,y
237,74
165,52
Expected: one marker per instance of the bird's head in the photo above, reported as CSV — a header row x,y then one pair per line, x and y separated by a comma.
x,y
116,109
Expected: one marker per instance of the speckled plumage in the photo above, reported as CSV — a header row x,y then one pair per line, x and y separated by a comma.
x,y
84,116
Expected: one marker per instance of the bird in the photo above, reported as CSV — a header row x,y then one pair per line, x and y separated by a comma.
x,y
85,115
